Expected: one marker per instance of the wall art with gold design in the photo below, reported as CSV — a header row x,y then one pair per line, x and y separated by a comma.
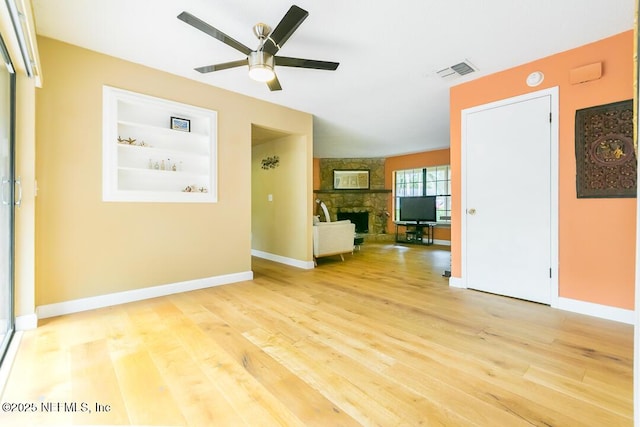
x,y
606,164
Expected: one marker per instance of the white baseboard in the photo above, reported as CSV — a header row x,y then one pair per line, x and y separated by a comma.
x,y
457,282
26,322
100,301
442,242
597,310
575,306
307,265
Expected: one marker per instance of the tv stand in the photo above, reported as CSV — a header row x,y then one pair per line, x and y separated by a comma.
x,y
414,232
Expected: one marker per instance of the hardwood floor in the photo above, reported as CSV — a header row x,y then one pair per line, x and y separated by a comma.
x,y
379,339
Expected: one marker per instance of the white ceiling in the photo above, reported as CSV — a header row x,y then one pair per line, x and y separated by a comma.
x,y
385,98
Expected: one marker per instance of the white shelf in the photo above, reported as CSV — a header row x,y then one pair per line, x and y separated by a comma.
x,y
162,152
156,129
160,173
163,138
129,169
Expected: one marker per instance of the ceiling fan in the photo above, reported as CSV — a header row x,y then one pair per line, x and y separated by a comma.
x,y
262,61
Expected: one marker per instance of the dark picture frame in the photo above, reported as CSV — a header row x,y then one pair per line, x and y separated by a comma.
x,y
183,125
351,179
606,164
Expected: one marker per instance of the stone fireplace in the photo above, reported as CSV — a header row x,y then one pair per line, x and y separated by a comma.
x,y
365,208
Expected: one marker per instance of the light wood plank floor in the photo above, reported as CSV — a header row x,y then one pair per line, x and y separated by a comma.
x,y
379,339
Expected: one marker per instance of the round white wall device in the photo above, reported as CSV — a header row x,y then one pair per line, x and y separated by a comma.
x,y
535,78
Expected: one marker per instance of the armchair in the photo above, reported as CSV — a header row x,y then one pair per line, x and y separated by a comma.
x,y
333,238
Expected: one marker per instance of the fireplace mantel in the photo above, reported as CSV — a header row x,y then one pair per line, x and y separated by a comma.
x,y
351,191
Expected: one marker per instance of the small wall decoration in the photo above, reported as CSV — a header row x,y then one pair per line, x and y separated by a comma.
x,y
270,162
606,162
183,125
353,179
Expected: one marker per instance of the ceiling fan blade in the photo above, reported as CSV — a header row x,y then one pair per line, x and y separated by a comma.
x,y
305,63
213,32
223,66
274,84
289,23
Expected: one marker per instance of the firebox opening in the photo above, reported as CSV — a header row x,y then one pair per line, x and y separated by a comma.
x,y
360,219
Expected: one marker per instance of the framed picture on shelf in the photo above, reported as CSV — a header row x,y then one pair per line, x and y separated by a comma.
x,y
183,125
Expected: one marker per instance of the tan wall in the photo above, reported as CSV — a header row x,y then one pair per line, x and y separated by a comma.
x,y
25,214
596,236
86,247
276,225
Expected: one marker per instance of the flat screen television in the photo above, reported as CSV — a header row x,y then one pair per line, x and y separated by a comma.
x,y
418,209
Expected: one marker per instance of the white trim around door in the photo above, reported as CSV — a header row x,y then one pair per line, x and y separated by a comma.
x,y
553,94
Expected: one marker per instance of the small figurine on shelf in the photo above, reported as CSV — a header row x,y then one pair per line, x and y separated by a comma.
x,y
162,165
128,141
150,164
173,167
195,189
156,165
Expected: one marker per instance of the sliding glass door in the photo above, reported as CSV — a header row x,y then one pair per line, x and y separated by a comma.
x,y
7,94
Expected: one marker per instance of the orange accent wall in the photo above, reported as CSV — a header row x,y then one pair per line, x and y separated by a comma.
x,y
316,173
596,236
417,160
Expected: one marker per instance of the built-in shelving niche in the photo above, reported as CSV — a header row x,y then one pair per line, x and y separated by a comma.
x,y
146,160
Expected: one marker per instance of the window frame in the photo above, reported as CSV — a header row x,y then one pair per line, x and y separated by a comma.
x,y
416,182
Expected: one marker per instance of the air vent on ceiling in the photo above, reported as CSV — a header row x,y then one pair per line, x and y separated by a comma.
x,y
460,69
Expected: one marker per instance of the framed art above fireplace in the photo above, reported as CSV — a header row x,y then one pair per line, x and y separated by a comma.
x,y
351,179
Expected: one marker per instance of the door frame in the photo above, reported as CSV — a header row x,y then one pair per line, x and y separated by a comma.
x,y
6,341
553,93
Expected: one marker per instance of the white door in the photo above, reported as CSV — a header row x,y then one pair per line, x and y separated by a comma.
x,y
507,234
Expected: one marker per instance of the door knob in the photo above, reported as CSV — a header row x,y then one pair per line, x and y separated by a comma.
x,y
471,211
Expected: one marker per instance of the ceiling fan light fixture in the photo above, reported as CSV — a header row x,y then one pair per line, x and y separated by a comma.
x,y
261,61
261,73
261,66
